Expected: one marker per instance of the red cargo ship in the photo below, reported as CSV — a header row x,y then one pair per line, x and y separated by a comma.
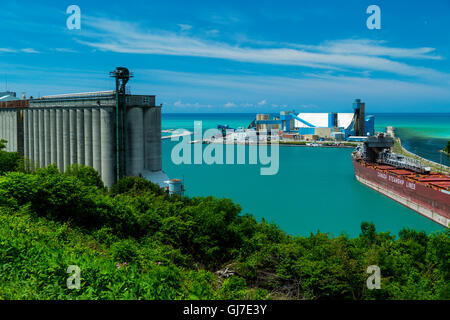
x,y
403,179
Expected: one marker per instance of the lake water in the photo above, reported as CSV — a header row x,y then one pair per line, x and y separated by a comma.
x,y
423,134
314,189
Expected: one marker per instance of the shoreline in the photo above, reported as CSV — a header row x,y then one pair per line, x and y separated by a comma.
x,y
434,165
294,144
288,144
397,148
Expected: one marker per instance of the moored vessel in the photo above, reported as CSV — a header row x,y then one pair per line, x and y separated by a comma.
x,y
402,179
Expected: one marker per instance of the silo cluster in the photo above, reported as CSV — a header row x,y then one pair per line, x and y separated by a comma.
x,y
8,128
144,140
65,135
82,128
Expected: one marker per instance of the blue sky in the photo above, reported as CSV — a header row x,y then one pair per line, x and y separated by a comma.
x,y
236,56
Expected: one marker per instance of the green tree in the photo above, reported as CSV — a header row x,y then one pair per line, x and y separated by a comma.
x,y
3,143
447,148
87,175
10,161
175,247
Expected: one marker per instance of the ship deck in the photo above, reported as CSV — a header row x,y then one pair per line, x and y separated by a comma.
x,y
434,180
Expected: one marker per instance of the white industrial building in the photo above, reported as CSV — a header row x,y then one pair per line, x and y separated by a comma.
x,y
321,120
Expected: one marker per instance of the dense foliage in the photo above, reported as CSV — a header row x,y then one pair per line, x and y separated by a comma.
x,y
137,242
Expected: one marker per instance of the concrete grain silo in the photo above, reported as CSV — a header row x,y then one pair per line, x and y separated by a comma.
x,y
9,118
117,134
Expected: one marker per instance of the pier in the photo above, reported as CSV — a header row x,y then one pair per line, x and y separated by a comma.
x,y
176,135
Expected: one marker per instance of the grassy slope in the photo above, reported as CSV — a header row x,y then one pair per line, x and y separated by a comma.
x,y
35,254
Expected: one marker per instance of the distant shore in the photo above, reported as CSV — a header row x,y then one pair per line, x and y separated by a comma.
x,y
398,148
319,144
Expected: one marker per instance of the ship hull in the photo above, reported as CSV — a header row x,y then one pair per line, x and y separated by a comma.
x,y
431,203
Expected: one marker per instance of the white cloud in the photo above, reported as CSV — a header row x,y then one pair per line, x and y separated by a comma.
x,y
282,106
196,105
370,47
230,105
213,32
184,27
309,106
65,50
305,92
310,83
362,55
26,50
212,91
29,50
7,50
262,102
178,104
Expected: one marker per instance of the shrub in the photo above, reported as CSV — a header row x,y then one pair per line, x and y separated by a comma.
x,y
173,245
9,161
124,251
233,288
135,186
87,175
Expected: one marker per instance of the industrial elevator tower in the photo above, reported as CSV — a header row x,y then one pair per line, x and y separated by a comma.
x,y
359,117
122,76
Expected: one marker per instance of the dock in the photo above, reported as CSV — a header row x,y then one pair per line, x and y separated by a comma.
x,y
185,133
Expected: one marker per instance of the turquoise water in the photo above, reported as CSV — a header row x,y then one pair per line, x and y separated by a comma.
x,y
314,189
423,134
209,120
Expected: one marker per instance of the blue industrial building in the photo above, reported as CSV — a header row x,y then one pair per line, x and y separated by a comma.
x,y
338,126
